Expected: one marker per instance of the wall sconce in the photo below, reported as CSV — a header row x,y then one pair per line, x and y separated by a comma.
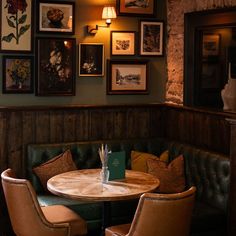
x,y
108,13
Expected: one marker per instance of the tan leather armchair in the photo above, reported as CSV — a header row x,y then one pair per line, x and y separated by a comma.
x,y
29,219
159,215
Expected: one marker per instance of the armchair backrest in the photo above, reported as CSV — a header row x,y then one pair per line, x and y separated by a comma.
x,y
24,210
163,214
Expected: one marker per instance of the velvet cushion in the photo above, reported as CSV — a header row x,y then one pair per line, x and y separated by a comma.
x,y
171,176
57,165
139,159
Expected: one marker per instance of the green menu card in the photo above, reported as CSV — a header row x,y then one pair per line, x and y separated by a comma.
x,y
116,165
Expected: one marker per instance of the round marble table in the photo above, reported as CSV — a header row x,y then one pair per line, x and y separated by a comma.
x,y
86,185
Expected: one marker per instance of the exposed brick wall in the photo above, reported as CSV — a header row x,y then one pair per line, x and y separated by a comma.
x,y
175,42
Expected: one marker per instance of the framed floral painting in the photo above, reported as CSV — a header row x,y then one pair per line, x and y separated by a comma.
x,y
56,17
55,66
91,59
127,76
18,74
16,23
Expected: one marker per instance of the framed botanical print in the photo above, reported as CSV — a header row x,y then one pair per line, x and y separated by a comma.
x,y
127,77
91,59
123,43
18,74
144,8
56,17
16,26
151,38
55,67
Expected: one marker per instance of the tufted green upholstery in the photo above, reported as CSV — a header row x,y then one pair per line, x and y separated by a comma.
x,y
208,171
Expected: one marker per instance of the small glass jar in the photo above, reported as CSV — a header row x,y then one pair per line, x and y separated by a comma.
x,y
104,174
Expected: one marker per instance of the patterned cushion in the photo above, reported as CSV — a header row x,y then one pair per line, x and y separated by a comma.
x,y
57,165
139,160
171,176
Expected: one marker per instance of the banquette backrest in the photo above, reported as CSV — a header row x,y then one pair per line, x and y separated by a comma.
x,y
206,170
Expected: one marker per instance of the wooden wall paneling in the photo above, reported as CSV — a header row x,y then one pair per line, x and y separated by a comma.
x,y
82,125
3,140
70,127
56,126
108,124
14,142
137,123
28,134
120,124
96,124
42,127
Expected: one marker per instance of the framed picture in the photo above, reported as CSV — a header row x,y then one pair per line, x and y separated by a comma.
x,y
16,26
151,38
145,8
123,43
18,74
56,17
210,45
55,67
127,77
91,59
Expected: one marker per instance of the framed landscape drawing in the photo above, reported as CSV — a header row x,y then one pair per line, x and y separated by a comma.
x,y
123,43
91,59
56,17
127,77
151,38
16,26
55,67
18,74
144,8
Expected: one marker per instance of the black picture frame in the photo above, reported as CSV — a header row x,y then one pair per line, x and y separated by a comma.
x,y
57,17
18,74
123,43
151,38
16,31
136,8
127,77
55,66
91,59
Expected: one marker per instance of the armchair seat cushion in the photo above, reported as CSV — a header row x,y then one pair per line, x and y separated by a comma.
x,y
61,214
122,230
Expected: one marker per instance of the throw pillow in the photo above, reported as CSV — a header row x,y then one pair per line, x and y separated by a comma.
x,y
171,176
57,165
139,160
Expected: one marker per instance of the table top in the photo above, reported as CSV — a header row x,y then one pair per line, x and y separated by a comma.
x,y
86,185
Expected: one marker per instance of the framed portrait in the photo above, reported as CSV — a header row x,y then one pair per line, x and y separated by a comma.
x,y
210,45
16,26
151,38
91,59
56,17
123,43
127,77
144,8
18,74
55,67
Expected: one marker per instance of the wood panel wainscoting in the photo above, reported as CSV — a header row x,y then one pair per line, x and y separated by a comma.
x,y
20,126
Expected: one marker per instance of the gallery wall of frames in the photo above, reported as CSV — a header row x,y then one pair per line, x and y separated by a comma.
x,y
36,63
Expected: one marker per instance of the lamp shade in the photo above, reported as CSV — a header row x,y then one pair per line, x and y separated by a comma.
x,y
108,12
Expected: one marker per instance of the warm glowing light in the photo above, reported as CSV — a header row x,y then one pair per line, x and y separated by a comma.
x,y
69,24
108,12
